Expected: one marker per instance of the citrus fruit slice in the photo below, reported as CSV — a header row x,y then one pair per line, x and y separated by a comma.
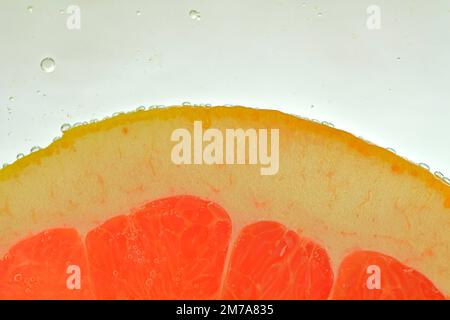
x,y
206,203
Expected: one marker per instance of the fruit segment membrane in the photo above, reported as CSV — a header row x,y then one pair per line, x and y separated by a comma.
x,y
182,248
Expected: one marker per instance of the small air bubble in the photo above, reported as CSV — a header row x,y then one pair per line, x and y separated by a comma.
x,y
5,165
11,98
140,108
115,114
398,59
319,14
391,150
30,9
186,104
20,156
56,138
425,166
138,13
48,65
439,174
61,11
18,277
328,124
35,148
76,124
446,180
195,15
65,127
115,273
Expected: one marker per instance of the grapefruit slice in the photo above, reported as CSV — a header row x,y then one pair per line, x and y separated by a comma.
x,y
106,212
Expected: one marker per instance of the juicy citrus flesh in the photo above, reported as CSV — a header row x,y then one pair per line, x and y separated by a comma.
x,y
175,248
333,189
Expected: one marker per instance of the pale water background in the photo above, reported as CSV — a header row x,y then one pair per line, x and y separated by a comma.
x,y
317,58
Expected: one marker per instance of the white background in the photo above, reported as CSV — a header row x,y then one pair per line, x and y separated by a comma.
x,y
313,58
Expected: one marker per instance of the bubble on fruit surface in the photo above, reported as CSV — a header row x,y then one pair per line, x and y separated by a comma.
x,y
425,166
30,9
186,104
18,277
328,124
48,65
140,108
439,174
11,98
65,127
195,15
20,156
446,180
5,165
391,150
35,148
138,12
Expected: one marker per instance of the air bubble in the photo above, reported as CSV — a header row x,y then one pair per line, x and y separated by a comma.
x,y
141,108
65,127
319,14
195,15
56,138
446,180
328,124
115,114
11,98
115,273
439,174
424,165
138,13
18,277
48,65
30,9
35,148
186,104
5,165
20,156
61,11
391,150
